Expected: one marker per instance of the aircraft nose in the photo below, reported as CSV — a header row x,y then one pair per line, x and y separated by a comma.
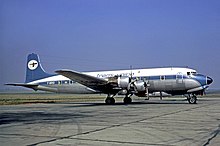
x,y
209,80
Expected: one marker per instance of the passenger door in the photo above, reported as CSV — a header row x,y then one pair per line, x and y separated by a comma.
x,y
179,78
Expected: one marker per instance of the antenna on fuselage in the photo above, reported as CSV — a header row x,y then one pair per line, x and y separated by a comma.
x,y
131,71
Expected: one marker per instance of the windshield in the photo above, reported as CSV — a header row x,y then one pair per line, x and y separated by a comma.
x,y
191,73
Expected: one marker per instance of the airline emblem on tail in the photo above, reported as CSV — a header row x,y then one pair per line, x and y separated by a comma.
x,y
32,65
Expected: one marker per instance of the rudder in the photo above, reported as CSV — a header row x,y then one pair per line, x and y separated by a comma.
x,y
34,70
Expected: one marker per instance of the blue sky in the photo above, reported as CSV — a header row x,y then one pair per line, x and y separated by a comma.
x,y
87,35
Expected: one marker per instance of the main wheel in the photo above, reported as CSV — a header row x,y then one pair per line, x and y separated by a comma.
x,y
110,100
192,99
127,100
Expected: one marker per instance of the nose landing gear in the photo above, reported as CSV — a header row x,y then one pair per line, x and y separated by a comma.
x,y
192,99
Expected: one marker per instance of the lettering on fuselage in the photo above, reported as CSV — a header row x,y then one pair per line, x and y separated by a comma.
x,y
112,75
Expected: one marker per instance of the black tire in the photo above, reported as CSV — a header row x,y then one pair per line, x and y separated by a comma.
x,y
192,100
109,100
127,100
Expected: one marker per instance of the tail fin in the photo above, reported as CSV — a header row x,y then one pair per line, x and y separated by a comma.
x,y
34,70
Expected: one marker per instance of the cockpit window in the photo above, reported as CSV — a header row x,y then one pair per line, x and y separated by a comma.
x,y
191,73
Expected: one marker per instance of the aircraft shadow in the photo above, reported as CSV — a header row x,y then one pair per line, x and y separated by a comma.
x,y
31,117
37,117
146,102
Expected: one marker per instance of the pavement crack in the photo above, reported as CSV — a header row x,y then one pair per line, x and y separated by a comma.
x,y
213,135
121,142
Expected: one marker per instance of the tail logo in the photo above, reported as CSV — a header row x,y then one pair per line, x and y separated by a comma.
x,y
32,64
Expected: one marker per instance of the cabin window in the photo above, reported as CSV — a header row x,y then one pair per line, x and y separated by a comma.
x,y
51,83
162,77
179,77
188,73
146,78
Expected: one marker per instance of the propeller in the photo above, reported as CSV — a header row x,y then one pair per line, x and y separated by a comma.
x,y
131,84
204,91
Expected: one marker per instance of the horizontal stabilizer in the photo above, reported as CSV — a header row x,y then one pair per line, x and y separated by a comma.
x,y
32,86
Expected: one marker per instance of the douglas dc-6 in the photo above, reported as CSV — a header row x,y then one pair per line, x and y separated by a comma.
x,y
139,82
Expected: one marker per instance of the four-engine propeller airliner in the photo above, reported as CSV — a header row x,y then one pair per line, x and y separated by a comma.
x,y
139,82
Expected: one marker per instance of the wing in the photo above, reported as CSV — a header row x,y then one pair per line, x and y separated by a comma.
x,y
90,81
81,78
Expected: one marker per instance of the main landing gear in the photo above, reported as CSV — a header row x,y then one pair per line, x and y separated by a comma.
x,y
127,99
110,99
192,99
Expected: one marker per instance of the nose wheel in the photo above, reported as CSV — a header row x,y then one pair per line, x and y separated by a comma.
x,y
192,99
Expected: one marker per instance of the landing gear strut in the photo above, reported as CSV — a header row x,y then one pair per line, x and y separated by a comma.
x,y
192,99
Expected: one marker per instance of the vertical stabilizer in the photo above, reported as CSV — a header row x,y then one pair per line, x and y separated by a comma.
x,y
34,70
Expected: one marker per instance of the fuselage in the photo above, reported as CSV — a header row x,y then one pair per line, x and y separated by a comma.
x,y
172,80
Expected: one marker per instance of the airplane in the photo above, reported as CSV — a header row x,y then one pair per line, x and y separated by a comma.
x,y
139,82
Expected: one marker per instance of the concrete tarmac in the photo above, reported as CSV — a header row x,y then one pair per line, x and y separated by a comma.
x,y
169,122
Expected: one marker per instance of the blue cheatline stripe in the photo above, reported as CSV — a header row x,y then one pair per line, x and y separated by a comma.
x,y
57,82
167,77
170,77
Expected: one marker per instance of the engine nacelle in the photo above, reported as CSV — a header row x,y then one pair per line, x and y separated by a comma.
x,y
123,82
126,84
140,86
123,92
